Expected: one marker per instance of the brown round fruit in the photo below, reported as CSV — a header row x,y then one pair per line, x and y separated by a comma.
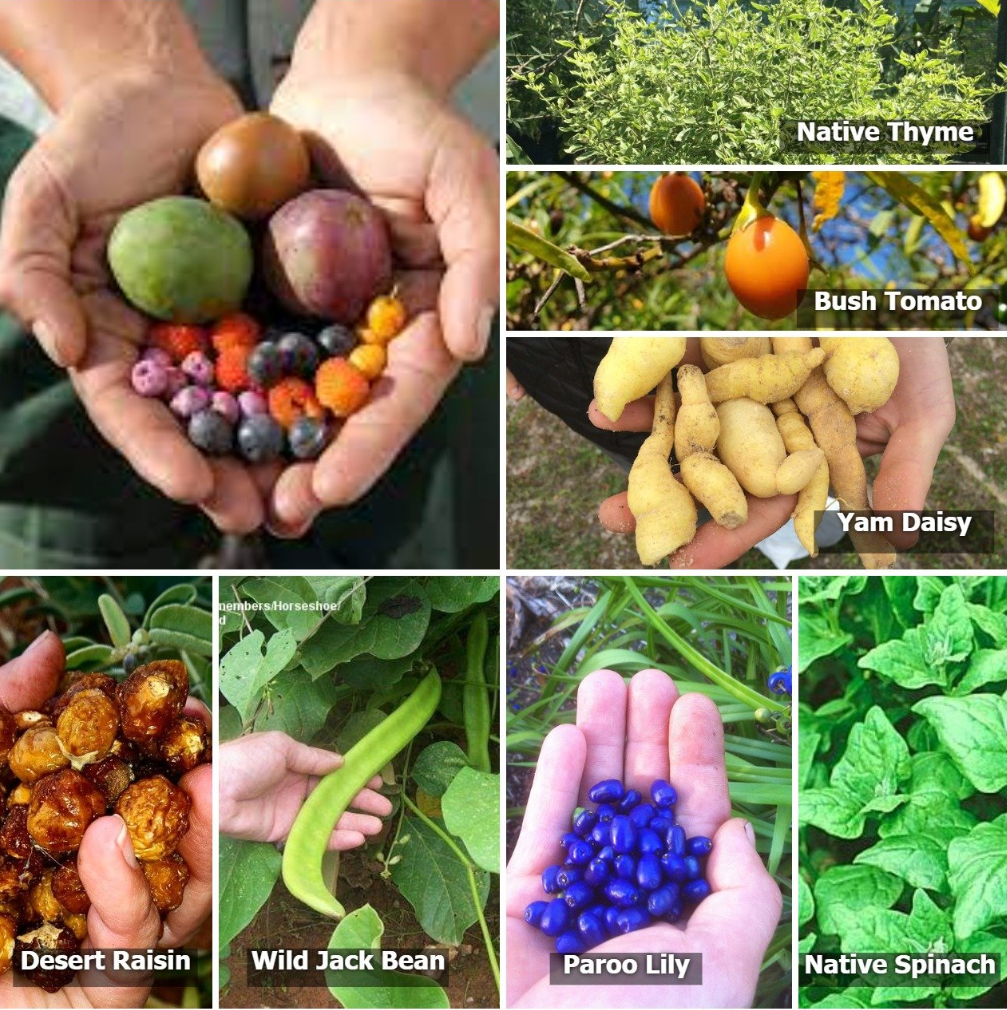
x,y
156,815
152,698
184,745
36,754
68,888
677,204
167,879
87,726
62,806
253,165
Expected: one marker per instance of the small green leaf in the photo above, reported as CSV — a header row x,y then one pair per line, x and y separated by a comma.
x,y
90,657
183,627
115,620
528,241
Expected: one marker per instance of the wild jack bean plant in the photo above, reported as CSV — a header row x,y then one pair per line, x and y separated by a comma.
x,y
903,775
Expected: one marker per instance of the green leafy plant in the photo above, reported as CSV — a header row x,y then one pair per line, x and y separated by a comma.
x,y
716,82
327,660
722,637
903,771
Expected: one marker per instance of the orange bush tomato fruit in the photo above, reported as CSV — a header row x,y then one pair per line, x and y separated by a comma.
x,y
677,204
767,267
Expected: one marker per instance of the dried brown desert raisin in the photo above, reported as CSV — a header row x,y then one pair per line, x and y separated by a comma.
x,y
184,745
167,879
151,699
48,939
62,806
156,814
111,775
36,754
87,726
68,888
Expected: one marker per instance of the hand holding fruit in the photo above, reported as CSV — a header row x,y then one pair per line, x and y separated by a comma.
x,y
435,179
637,733
264,779
116,894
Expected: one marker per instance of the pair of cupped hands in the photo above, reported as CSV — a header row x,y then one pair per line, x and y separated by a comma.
x,y
133,137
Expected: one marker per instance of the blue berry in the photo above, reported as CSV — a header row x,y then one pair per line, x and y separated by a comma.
x,y
584,822
569,943
622,893
211,432
260,438
648,872
299,354
630,800
265,364
661,901
676,840
663,793
591,929
696,890
308,437
649,841
700,845
336,340
578,895
550,882
533,912
609,791
632,919
555,917
568,875
623,833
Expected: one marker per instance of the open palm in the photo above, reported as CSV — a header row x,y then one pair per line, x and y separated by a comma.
x,y
638,733
435,179
122,141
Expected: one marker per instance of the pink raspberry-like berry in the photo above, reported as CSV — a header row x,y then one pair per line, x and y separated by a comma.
x,y
149,378
158,355
224,403
177,381
252,403
199,368
190,400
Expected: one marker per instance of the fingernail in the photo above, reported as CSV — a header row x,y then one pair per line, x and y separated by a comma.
x,y
125,844
484,327
44,335
750,833
38,641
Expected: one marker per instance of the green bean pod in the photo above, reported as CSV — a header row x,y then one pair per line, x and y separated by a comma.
x,y
309,836
475,696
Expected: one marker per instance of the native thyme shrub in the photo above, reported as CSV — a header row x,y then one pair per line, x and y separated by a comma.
x,y
714,83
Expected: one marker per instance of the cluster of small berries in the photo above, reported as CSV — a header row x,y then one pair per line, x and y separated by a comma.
x,y
263,394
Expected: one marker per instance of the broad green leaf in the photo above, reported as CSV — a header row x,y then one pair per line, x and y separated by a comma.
x,y
989,623
949,637
176,623
366,673
528,241
436,883
973,730
806,902
451,593
844,889
904,660
245,670
875,761
980,943
394,621
818,639
362,929
115,620
437,765
296,704
835,811
471,809
287,603
917,860
978,876
932,815
986,666
247,871
807,745
807,944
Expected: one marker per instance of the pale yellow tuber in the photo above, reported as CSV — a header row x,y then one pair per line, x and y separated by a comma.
x,y
813,497
696,431
663,508
720,350
632,367
750,445
797,469
862,370
765,379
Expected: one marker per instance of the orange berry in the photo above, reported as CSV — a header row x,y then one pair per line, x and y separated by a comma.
x,y
341,387
291,399
177,339
369,359
767,267
231,369
366,336
235,330
386,318
677,204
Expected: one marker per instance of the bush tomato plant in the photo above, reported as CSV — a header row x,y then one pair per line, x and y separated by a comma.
x,y
903,774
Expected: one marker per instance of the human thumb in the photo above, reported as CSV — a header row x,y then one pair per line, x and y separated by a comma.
x,y
37,235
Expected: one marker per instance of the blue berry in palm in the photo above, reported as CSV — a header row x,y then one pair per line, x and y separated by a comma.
x,y
299,355
336,340
265,364
211,432
260,438
308,438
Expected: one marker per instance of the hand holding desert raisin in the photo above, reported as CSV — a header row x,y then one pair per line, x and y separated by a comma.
x,y
105,832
